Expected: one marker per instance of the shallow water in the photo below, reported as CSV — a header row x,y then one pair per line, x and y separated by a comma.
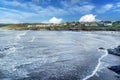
x,y
56,55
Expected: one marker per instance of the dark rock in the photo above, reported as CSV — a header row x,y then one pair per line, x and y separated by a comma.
x,y
6,48
3,49
117,76
115,51
102,48
115,69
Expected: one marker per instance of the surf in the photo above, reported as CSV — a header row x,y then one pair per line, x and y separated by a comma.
x,y
18,37
94,72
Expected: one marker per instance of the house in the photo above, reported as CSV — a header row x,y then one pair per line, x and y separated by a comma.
x,y
93,24
40,25
29,26
107,24
88,24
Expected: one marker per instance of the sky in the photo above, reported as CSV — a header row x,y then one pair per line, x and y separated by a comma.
x,y
58,11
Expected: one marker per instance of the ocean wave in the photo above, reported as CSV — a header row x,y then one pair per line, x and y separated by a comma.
x,y
18,37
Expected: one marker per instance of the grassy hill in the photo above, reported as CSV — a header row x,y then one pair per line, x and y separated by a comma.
x,y
68,26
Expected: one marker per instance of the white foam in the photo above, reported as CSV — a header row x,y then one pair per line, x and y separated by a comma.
x,y
33,38
18,37
97,74
12,50
97,67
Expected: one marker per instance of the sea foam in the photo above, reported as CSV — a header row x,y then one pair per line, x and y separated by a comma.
x,y
33,38
18,37
97,67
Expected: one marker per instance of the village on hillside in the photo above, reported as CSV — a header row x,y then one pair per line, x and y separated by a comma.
x,y
78,24
101,25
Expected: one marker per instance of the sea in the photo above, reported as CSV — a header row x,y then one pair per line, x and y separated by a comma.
x,y
57,55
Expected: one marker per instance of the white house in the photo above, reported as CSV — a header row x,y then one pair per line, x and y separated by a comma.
x,y
107,24
40,25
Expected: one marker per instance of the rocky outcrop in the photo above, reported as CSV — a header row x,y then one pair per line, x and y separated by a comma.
x,y
115,69
101,48
115,51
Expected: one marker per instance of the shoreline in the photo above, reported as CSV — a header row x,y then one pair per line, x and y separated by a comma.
x,y
101,71
97,66
63,30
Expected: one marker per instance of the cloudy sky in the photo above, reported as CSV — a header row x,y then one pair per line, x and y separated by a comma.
x,y
22,11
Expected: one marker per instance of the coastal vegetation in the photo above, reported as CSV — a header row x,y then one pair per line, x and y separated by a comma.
x,y
75,26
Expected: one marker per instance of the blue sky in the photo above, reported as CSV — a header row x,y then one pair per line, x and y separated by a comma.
x,y
27,11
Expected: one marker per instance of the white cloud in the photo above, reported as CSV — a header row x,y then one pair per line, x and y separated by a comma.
x,y
69,3
44,13
30,12
105,8
117,7
118,4
14,3
51,11
6,20
14,16
55,20
74,1
88,18
36,1
39,14
108,6
83,8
